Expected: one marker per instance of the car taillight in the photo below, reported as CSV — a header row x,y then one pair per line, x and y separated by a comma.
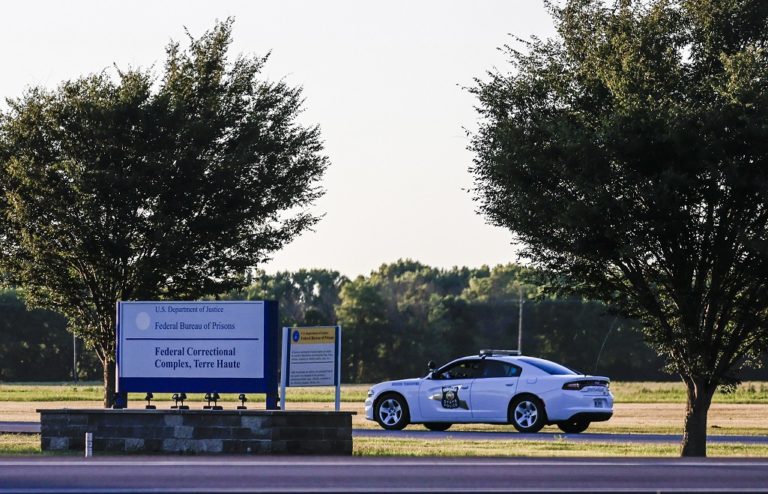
x,y
578,385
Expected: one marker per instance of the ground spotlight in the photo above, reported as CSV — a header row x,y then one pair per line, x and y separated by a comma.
x,y
216,397
180,397
242,399
149,406
212,397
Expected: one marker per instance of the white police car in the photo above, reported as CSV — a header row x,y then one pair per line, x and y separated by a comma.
x,y
496,386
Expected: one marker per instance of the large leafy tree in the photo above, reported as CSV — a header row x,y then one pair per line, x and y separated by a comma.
x,y
145,187
307,297
630,156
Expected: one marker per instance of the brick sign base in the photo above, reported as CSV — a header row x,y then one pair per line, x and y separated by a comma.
x,y
198,431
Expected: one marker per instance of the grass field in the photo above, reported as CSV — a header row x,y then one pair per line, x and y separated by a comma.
x,y
19,444
29,444
559,448
92,391
752,392
641,408
674,392
624,392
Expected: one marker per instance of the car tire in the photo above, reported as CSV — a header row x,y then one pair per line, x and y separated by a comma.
x,y
391,412
573,426
526,413
437,426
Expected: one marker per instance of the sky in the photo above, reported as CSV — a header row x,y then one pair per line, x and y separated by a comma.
x,y
385,81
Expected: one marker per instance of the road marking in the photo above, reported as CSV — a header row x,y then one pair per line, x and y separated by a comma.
x,y
195,490
415,462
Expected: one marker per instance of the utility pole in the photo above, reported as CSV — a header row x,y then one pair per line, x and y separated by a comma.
x,y
520,322
74,358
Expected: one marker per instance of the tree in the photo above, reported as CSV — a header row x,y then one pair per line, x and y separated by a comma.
x,y
366,335
630,156
138,187
307,297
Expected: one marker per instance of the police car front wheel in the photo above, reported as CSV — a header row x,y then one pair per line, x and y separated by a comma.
x,y
391,412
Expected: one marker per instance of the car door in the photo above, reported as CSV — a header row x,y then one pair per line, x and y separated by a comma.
x,y
492,390
446,396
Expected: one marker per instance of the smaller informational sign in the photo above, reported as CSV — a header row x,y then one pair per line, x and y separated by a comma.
x,y
311,357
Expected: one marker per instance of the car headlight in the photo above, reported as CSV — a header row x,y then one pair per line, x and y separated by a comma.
x,y
370,392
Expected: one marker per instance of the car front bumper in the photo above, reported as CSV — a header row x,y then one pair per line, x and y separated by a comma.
x,y
368,409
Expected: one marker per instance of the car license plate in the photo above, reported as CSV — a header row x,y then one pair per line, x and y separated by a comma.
x,y
599,403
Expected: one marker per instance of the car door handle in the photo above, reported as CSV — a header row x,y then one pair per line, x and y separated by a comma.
x,y
509,384
464,387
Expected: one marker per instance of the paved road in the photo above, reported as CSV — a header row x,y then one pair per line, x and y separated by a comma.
x,y
20,427
34,427
161,474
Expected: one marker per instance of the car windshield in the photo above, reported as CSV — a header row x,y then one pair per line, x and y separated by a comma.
x,y
464,369
548,367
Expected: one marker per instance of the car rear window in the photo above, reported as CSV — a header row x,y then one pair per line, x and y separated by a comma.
x,y
548,367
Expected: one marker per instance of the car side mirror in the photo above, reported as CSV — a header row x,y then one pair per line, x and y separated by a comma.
x,y
431,365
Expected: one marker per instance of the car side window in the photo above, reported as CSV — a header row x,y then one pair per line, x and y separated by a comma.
x,y
466,369
495,368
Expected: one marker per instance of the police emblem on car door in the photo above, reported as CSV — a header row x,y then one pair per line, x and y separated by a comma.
x,y
445,396
451,398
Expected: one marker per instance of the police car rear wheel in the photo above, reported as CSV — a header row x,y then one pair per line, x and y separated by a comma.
x,y
526,413
437,426
392,412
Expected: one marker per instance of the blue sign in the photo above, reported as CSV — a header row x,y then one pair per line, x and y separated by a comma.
x,y
227,347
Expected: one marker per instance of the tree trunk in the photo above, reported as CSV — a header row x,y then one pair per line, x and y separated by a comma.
x,y
109,382
700,394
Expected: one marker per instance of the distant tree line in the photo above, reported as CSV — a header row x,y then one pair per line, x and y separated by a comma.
x,y
35,345
406,313
394,321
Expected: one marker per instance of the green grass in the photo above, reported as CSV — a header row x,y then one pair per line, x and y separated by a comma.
x,y
559,448
19,444
625,392
92,391
29,444
51,392
755,392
